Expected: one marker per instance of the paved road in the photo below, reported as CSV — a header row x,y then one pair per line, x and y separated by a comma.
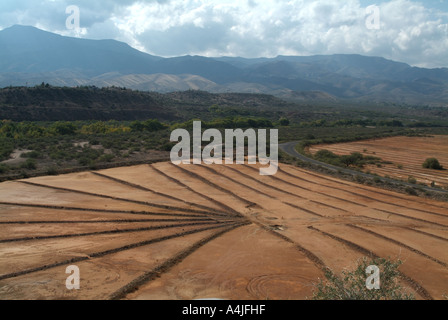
x,y
289,148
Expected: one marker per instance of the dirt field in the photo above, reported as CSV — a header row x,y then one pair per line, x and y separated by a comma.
x,y
192,232
405,154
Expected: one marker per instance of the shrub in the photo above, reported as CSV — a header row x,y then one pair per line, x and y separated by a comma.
x,y
351,285
284,122
52,171
377,180
3,168
30,164
310,136
411,191
32,155
432,163
106,158
412,180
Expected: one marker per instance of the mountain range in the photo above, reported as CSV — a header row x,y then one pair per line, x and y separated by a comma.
x,y
30,56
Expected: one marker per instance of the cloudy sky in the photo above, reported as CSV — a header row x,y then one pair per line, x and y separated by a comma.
x,y
415,32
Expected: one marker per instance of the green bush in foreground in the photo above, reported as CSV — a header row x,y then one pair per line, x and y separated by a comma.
x,y
351,285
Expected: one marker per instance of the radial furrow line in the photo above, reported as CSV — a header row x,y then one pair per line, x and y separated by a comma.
x,y
220,204
101,221
107,252
238,182
409,217
167,196
116,198
143,213
414,284
399,244
428,234
167,265
214,185
305,210
63,236
393,195
265,184
310,255
313,191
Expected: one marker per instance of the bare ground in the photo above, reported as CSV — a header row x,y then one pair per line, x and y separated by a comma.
x,y
165,232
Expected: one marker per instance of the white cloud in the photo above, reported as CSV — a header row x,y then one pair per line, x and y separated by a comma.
x,y
411,31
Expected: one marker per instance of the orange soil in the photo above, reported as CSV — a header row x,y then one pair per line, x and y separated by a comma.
x,y
406,154
166,232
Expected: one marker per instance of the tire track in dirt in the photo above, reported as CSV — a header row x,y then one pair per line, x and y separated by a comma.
x,y
414,284
228,209
105,253
167,265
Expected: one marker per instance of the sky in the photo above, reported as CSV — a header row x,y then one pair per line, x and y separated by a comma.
x,y
414,32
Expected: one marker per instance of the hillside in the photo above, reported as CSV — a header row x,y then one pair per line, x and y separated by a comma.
x,y
30,56
46,103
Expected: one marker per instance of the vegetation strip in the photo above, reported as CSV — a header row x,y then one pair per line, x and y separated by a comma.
x,y
107,252
136,186
399,244
166,266
115,198
183,185
414,284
